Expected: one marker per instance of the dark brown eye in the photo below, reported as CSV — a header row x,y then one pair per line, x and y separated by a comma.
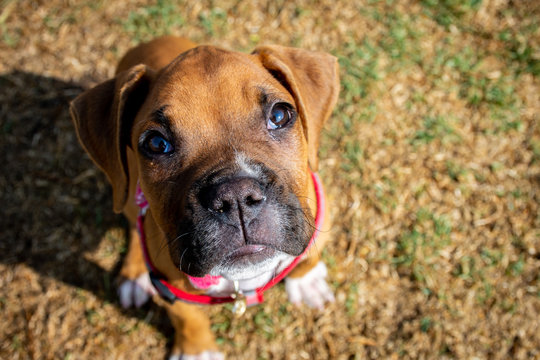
x,y
280,115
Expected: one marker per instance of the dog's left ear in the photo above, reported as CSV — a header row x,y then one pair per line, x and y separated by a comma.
x,y
313,80
103,117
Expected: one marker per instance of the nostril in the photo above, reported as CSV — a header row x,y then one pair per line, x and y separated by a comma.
x,y
221,206
252,200
233,198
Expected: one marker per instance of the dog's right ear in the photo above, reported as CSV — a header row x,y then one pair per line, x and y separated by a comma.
x,y
103,117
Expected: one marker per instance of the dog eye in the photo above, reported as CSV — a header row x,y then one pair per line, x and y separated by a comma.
x,y
280,115
157,145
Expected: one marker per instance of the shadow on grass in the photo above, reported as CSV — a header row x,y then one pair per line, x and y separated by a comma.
x,y
56,205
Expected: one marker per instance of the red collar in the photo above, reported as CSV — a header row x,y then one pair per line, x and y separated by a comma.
x,y
171,293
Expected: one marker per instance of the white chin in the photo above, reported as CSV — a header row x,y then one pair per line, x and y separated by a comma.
x,y
268,267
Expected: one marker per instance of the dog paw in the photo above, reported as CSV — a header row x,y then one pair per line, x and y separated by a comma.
x,y
206,355
136,292
311,288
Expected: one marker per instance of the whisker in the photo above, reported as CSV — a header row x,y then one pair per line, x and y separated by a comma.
x,y
182,256
170,242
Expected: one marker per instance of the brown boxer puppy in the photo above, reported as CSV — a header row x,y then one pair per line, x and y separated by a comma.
x,y
219,147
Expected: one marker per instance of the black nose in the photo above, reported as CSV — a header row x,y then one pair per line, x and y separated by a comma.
x,y
237,200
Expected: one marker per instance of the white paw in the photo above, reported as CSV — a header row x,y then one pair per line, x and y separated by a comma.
x,y
311,288
136,292
206,355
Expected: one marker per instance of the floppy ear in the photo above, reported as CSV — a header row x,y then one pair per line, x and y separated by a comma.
x,y
103,117
313,80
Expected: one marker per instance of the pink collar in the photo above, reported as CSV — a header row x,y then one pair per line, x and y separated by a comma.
x,y
171,293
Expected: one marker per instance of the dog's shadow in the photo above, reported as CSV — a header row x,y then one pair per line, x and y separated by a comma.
x,y
55,205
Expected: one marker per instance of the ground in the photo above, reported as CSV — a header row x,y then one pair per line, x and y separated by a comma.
x,y
431,162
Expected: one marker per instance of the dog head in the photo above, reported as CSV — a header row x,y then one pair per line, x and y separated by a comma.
x,y
223,143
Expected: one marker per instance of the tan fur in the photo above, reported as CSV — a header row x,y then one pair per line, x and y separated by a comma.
x,y
156,54
106,114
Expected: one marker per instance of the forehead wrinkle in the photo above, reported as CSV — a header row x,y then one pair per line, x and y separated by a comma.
x,y
159,116
214,74
205,97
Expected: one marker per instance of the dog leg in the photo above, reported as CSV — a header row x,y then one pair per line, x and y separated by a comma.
x,y
135,287
193,339
307,283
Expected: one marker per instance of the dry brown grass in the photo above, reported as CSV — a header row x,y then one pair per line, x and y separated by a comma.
x,y
431,161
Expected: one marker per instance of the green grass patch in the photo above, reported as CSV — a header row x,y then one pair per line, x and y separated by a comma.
x,y
155,20
491,257
265,324
448,12
213,21
418,249
516,268
435,127
91,316
466,268
534,146
353,155
465,61
386,194
359,66
401,39
16,343
477,89
425,324
485,293
520,48
8,35
482,270
351,302
221,326
455,171
490,90
359,62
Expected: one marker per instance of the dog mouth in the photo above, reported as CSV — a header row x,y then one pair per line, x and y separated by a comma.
x,y
248,255
252,264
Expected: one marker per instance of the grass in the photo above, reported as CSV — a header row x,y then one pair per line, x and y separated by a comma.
x,y
213,21
448,12
418,249
9,36
360,63
434,127
401,40
425,324
417,254
351,304
155,20
265,324
430,162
